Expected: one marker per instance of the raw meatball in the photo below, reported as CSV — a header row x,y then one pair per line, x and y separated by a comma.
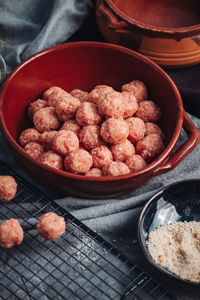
x,y
137,129
67,108
148,111
79,161
130,104
102,156
65,142
35,106
88,114
52,159
138,89
71,125
94,172
90,136
122,151
8,188
116,168
114,131
81,95
46,119
51,226
11,233
150,147
153,128
55,95
135,162
97,91
34,149
111,105
29,135
46,138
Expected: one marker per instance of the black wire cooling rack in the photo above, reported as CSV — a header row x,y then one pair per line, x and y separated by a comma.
x,y
78,265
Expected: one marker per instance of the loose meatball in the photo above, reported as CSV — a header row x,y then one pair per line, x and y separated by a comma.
x,y
90,136
81,95
46,139
35,106
29,135
122,151
79,161
94,172
153,128
52,159
87,114
8,188
138,89
130,104
11,233
137,129
114,131
97,91
148,111
71,125
111,105
55,95
67,108
46,119
51,226
116,168
65,142
135,162
102,156
150,147
34,149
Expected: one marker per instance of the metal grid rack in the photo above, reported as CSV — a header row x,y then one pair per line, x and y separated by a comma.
x,y
78,265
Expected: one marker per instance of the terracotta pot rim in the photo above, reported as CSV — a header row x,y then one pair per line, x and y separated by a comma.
x,y
177,32
150,167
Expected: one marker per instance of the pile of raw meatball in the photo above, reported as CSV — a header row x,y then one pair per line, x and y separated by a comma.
x,y
103,132
50,225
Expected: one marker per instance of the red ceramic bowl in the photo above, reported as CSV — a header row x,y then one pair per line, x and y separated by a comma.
x,y
84,65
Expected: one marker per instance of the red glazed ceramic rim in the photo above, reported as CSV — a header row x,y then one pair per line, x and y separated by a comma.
x,y
180,32
155,164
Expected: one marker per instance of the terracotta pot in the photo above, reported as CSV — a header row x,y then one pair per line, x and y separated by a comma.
x,y
165,31
84,65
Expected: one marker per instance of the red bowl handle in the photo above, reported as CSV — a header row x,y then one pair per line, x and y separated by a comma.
x,y
184,150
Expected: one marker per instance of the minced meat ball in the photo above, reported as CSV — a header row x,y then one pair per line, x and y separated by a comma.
x,y
8,188
150,147
81,95
148,111
116,168
35,106
11,233
79,161
137,129
46,139
67,108
52,159
111,105
90,136
46,119
102,156
94,172
135,162
65,142
153,128
97,91
51,226
114,131
34,149
87,114
55,95
71,125
130,104
138,88
122,150
28,135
